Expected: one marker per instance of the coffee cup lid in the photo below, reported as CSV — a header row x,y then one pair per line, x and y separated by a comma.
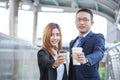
x,y
77,49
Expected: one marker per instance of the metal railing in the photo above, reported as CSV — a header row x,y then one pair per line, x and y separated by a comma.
x,y
113,63
18,59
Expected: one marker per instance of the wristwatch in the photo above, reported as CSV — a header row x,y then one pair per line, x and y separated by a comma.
x,y
87,62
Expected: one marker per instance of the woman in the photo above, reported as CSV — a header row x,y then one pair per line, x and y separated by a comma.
x,y
51,64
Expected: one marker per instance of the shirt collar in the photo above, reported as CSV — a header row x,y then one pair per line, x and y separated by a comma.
x,y
85,34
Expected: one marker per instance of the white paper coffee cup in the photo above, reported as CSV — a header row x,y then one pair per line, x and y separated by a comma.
x,y
75,51
63,53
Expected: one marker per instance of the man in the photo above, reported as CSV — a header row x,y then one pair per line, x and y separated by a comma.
x,y
93,48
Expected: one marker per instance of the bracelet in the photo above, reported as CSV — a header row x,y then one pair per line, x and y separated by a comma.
x,y
53,67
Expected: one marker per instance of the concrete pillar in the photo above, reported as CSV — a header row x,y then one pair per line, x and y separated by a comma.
x,y
13,17
35,18
13,28
112,32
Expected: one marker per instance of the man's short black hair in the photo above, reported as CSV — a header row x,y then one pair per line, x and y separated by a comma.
x,y
86,10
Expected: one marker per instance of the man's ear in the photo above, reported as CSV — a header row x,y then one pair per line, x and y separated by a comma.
x,y
92,22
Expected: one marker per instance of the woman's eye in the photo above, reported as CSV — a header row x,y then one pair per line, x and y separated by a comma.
x,y
52,34
57,34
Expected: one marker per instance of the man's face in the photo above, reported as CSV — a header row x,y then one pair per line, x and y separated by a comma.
x,y
83,22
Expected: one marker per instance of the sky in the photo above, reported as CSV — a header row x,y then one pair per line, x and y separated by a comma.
x,y
65,20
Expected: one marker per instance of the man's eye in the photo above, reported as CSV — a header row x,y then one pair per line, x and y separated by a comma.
x,y
84,19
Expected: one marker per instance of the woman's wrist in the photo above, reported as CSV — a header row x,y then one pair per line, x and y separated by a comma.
x,y
54,65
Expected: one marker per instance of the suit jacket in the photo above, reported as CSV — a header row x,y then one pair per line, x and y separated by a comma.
x,y
93,48
45,61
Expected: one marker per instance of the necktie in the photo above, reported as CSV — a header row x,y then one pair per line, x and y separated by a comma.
x,y
80,40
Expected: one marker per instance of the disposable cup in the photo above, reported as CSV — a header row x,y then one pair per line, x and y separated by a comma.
x,y
75,51
63,53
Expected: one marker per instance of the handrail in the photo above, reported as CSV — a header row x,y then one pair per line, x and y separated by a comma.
x,y
113,63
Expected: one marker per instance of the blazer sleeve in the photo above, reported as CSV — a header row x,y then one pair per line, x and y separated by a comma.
x,y
45,60
97,52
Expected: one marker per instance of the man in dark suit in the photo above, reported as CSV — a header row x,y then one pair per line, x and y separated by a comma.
x,y
93,48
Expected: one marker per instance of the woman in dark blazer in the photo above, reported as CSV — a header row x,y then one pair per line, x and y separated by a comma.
x,y
51,64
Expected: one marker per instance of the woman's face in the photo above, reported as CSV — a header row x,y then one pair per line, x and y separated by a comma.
x,y
55,37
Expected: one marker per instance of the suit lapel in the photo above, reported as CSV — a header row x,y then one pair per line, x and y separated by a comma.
x,y
83,41
72,44
87,38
